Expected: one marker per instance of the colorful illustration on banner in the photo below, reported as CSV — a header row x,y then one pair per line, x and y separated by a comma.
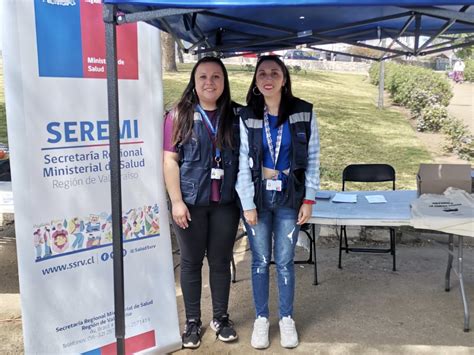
x,y
60,237
71,235
107,229
76,229
38,243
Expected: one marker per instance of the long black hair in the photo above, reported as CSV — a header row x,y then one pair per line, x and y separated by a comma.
x,y
184,116
255,99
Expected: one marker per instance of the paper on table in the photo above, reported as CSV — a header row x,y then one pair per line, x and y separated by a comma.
x,y
324,195
345,198
376,198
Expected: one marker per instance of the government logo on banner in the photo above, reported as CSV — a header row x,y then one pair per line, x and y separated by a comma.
x,y
70,35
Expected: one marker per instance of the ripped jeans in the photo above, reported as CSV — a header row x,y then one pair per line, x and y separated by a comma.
x,y
277,224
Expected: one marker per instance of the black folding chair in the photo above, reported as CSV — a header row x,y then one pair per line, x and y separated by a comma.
x,y
367,173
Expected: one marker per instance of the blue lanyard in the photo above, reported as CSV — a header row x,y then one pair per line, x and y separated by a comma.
x,y
274,151
212,129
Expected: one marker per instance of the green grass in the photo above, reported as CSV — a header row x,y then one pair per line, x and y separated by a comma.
x,y
352,129
3,117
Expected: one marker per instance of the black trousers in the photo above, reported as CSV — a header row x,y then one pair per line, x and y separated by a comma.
x,y
211,232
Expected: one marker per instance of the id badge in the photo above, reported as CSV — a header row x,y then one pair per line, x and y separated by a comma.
x,y
274,185
217,174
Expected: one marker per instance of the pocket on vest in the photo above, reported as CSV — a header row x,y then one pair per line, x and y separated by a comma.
x,y
296,184
189,190
191,151
301,150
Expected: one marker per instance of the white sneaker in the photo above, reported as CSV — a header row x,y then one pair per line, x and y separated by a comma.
x,y
260,333
288,334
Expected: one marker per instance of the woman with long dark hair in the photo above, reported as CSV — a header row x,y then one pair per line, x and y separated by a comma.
x,y
277,182
200,169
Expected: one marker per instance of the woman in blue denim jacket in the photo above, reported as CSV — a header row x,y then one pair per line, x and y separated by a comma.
x,y
277,183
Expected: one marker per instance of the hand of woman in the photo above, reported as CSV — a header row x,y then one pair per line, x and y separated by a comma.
x,y
181,214
304,214
251,217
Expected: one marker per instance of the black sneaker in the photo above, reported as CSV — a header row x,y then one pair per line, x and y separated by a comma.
x,y
224,328
192,334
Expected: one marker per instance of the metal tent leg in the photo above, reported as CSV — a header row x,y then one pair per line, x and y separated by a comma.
x,y
461,283
313,231
109,15
447,286
459,273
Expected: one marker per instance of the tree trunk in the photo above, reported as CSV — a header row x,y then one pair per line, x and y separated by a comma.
x,y
180,56
169,55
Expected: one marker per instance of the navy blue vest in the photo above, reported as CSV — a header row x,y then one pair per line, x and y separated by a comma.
x,y
300,128
196,158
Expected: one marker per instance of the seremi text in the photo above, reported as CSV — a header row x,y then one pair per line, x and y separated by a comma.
x,y
88,131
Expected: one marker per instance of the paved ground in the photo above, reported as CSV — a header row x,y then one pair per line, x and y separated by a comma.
x,y
363,309
462,103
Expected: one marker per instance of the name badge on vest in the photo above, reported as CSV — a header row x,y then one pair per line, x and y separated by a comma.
x,y
274,185
217,173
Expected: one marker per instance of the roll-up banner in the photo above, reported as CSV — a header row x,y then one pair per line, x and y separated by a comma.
x,y
56,101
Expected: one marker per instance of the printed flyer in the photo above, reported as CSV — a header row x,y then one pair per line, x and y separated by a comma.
x,y
56,101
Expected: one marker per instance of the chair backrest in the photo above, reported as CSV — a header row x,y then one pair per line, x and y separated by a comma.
x,y
368,173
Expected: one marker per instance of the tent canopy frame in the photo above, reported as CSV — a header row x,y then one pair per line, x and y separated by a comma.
x,y
211,41
119,12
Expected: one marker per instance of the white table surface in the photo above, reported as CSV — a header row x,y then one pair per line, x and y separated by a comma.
x,y
395,212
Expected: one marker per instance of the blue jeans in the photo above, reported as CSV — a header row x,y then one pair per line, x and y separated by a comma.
x,y
278,224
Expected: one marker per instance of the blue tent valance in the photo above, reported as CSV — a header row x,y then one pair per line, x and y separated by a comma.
x,y
265,3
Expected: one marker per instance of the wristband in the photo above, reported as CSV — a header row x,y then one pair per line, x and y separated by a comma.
x,y
308,202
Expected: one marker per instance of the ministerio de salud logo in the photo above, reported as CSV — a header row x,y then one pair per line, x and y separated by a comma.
x,y
70,37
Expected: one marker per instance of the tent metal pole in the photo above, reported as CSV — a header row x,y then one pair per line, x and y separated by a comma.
x,y
200,32
441,44
152,15
381,83
109,14
268,40
395,40
382,76
442,29
440,32
460,45
168,28
358,44
462,17
417,33
343,53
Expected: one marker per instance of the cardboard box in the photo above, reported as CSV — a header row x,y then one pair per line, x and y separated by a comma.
x,y
436,178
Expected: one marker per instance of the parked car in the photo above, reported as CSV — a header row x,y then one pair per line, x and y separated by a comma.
x,y
299,54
